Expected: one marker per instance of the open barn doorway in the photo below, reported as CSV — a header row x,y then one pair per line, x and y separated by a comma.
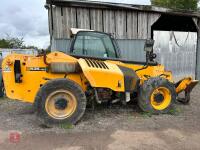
x,y
176,44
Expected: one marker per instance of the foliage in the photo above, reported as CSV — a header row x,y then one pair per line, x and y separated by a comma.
x,y
4,43
14,43
177,4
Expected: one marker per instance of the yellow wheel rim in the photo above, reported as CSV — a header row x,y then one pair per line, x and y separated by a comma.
x,y
61,104
161,98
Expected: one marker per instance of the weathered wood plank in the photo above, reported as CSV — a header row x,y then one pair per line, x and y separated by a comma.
x,y
152,18
96,19
120,18
50,22
132,25
57,23
69,20
109,21
142,25
83,18
54,23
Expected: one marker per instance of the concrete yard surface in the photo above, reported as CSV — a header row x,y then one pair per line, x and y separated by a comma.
x,y
113,128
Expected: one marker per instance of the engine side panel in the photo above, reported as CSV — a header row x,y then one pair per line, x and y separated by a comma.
x,y
103,74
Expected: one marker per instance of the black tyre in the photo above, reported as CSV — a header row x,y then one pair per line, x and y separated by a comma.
x,y
156,96
60,101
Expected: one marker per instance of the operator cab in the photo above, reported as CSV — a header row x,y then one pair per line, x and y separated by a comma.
x,y
93,44
103,46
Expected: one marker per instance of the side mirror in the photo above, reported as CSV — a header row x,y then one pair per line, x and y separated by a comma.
x,y
149,45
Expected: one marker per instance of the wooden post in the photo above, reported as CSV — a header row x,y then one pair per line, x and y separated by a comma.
x,y
198,51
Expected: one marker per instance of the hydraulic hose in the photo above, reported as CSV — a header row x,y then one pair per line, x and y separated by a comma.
x,y
45,57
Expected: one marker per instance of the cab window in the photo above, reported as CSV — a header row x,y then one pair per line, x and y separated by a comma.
x,y
94,44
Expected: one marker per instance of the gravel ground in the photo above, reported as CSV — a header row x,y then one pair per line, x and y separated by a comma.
x,y
116,127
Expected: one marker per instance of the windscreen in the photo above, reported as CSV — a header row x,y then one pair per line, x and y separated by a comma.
x,y
94,44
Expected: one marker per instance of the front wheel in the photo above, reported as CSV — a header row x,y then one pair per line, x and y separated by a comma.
x,y
61,101
157,95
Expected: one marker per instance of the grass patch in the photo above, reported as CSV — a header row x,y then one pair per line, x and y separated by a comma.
x,y
66,126
175,111
147,114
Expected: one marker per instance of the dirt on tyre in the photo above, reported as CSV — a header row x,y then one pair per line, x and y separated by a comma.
x,y
157,96
60,101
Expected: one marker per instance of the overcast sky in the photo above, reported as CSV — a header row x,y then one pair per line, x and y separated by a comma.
x,y
28,19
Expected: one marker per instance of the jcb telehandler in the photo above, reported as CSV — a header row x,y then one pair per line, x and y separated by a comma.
x,y
61,85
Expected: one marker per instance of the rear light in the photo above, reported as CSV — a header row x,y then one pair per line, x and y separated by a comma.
x,y
9,62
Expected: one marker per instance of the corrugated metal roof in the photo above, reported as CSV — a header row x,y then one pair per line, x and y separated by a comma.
x,y
97,4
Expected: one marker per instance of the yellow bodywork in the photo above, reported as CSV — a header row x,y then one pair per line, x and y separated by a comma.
x,y
32,80
184,83
151,71
106,78
35,74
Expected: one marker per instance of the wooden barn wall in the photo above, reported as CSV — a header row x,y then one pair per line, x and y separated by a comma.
x,y
123,24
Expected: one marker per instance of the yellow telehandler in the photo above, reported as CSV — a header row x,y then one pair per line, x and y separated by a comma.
x,y
60,85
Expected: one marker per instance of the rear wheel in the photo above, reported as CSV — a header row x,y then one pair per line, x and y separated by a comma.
x,y
157,95
61,101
